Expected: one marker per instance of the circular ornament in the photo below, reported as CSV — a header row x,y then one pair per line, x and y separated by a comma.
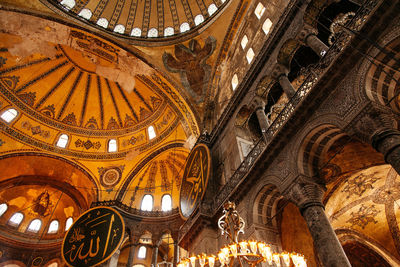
x,y
93,238
195,179
110,177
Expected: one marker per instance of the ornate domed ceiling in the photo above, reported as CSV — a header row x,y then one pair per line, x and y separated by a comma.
x,y
144,19
64,82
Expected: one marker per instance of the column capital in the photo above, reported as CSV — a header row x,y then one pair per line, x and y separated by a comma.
x,y
258,103
305,33
372,122
304,193
278,71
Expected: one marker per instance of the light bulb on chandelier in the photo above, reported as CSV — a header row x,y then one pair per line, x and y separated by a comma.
x,y
251,252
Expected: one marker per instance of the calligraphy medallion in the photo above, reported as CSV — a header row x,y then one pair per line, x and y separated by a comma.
x,y
94,237
195,178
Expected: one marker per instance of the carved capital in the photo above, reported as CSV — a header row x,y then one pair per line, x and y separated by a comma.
x,y
278,71
257,103
305,32
373,121
304,194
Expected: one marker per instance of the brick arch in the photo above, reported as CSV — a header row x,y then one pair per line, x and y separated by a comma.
x,y
287,51
314,146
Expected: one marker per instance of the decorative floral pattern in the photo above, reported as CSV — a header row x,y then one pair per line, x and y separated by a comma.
x,y
359,184
363,216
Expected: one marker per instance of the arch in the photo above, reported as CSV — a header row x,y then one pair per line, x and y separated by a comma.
x,y
169,31
119,29
62,141
3,208
85,13
9,115
265,206
351,236
53,227
198,19
16,219
184,27
382,76
287,51
259,10
147,203
142,251
12,263
112,145
166,202
49,169
313,147
102,22
151,132
153,32
68,4
137,32
68,223
34,226
212,9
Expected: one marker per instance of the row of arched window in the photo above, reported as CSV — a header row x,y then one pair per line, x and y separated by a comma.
x,y
147,203
10,114
266,27
35,225
137,32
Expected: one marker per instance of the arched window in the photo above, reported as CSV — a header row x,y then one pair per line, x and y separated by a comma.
x,y
3,208
9,115
267,26
68,223
142,252
212,9
54,264
235,82
16,219
103,22
119,29
136,32
259,11
85,13
153,32
112,145
250,55
244,41
147,203
198,19
53,228
151,132
166,203
62,141
169,31
184,27
68,4
35,225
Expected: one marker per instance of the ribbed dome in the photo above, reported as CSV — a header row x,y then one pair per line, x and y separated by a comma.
x,y
143,19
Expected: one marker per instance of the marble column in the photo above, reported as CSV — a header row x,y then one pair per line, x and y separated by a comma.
x,y
259,105
286,85
307,196
378,126
308,36
131,255
176,253
154,256
387,141
316,45
114,259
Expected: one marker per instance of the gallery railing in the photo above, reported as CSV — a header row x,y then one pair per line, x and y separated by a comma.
x,y
313,74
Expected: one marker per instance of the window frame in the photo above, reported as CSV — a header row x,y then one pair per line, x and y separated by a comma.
x,y
162,200
8,110
34,231
152,203
13,224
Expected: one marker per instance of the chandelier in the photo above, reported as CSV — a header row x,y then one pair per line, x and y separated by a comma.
x,y
246,252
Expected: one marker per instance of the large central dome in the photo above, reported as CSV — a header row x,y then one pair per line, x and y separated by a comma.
x,y
144,18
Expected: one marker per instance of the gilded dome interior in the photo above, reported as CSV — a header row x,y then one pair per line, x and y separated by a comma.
x,y
144,19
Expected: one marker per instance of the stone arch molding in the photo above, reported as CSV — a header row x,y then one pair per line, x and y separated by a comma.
x,y
315,142
374,80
